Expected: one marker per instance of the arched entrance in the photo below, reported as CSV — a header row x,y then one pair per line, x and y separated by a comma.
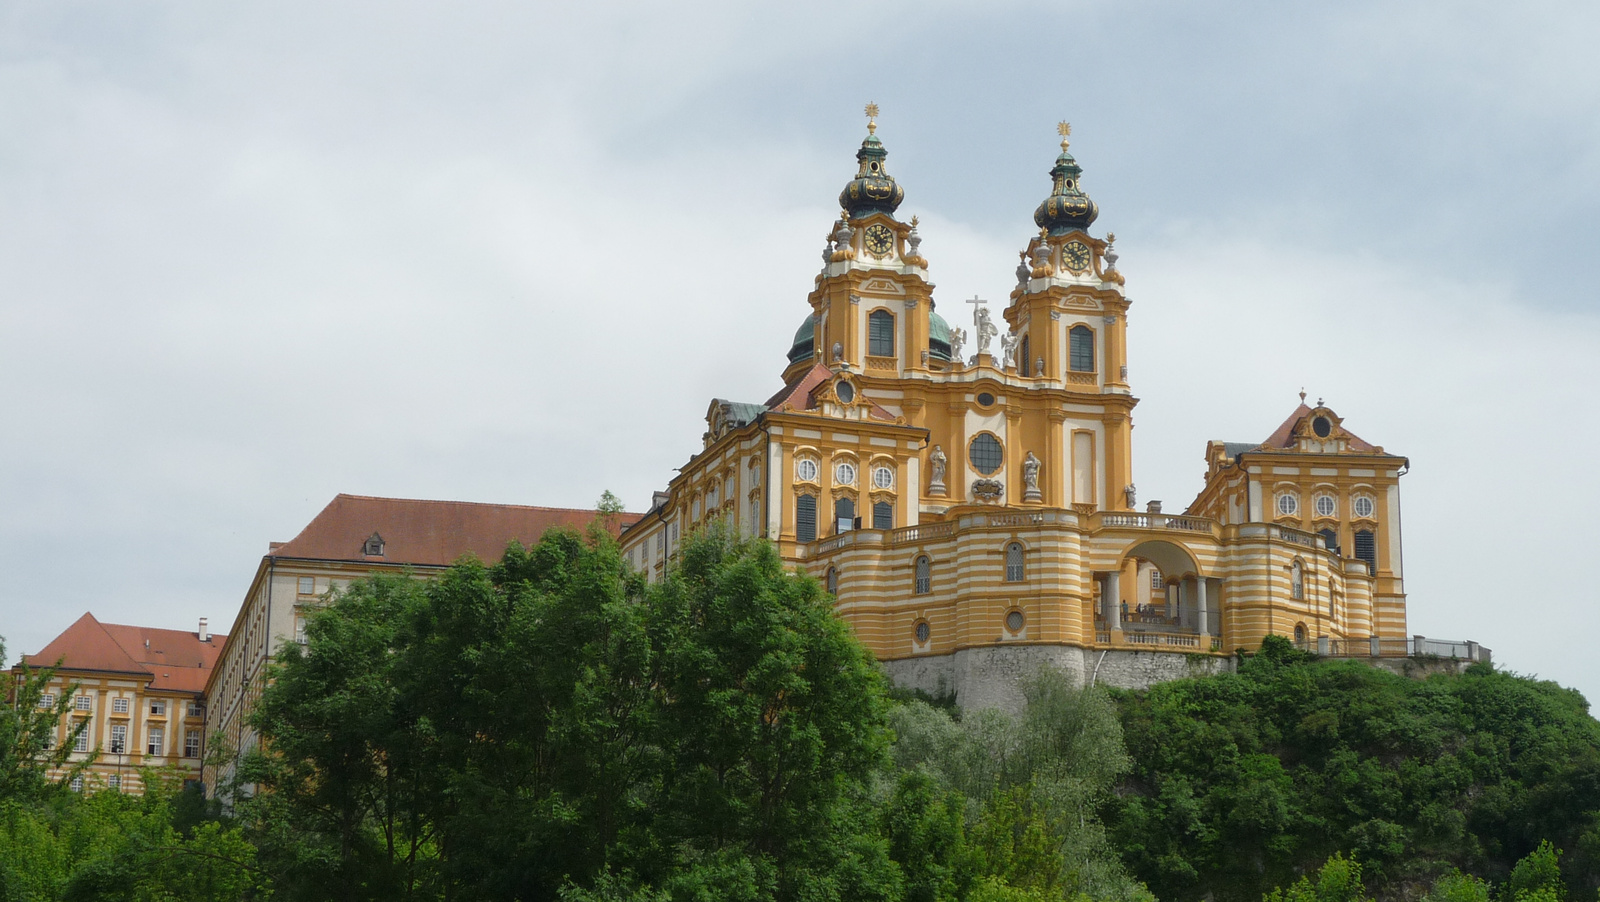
x,y
1158,596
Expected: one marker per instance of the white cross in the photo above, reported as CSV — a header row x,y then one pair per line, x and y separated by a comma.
x,y
975,302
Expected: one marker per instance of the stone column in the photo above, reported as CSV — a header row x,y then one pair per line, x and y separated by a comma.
x,y
1200,609
1111,596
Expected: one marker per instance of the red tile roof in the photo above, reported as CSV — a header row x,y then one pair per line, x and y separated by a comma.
x,y
802,393
1281,437
172,659
425,533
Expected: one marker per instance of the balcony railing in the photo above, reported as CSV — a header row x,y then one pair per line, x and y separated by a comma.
x,y
1155,521
1414,647
922,533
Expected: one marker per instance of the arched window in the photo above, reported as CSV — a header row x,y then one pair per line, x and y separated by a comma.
x,y
1297,580
1367,549
755,516
924,583
1300,635
1025,359
1014,571
844,514
805,518
882,515
1081,347
880,333
833,580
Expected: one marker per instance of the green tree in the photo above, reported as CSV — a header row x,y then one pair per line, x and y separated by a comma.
x,y
1241,782
28,750
553,725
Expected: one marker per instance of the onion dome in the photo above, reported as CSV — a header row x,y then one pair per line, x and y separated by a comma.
x,y
804,340
1067,208
938,337
873,190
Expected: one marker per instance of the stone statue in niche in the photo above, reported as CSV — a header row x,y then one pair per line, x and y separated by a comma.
x,y
1030,478
958,340
1038,367
1008,351
1131,494
937,462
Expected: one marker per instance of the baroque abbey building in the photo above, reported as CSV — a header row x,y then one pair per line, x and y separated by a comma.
x,y
973,508
968,498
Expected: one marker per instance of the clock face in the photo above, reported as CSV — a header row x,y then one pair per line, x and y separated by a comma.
x,y
879,240
1076,255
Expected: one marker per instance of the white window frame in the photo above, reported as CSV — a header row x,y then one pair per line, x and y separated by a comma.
x,y
47,700
307,585
191,743
83,703
119,730
1332,505
1367,501
882,477
158,707
844,473
806,469
1289,500
120,705
81,744
155,741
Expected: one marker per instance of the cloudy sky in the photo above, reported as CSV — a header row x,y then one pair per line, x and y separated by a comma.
x,y
253,255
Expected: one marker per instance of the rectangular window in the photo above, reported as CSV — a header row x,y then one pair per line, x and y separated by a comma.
x,y
82,703
661,542
882,515
805,518
50,741
1367,549
158,706
300,629
157,741
880,334
1080,343
114,782
119,739
119,706
81,744
47,701
191,744
196,710
77,784
308,585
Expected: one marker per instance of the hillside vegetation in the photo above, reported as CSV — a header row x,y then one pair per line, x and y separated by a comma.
x,y
1242,782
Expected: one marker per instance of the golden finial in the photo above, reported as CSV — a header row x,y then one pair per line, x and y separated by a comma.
x,y
872,118
1111,238
1064,129
913,222
1302,394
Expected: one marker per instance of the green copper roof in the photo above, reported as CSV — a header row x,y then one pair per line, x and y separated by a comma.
x,y
804,339
938,337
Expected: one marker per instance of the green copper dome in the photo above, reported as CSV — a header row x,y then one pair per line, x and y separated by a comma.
x,y
804,339
938,337
1067,208
873,190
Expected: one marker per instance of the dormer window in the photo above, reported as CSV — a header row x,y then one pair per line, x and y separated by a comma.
x,y
373,546
1322,426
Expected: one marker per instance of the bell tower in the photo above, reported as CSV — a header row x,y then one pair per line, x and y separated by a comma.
x,y
1068,314
871,303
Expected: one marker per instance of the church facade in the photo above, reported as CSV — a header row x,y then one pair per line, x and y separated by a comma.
x,y
973,510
